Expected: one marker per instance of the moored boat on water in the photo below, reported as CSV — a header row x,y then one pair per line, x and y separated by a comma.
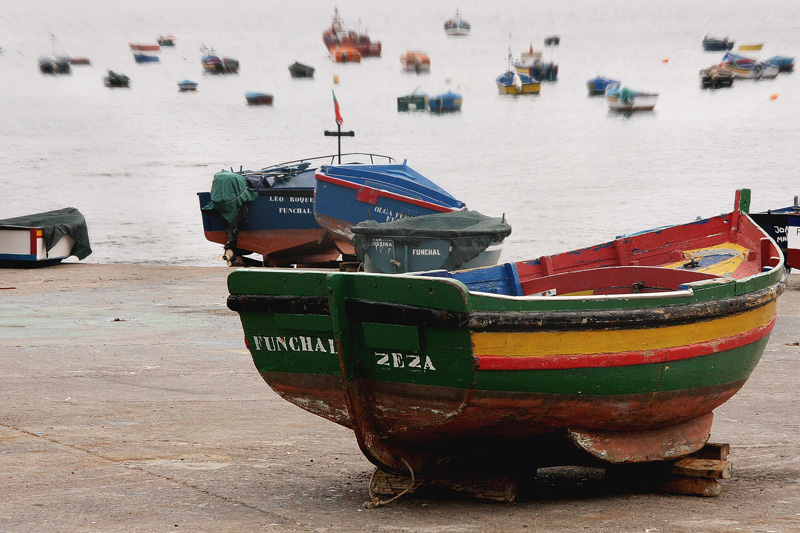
x,y
349,194
346,54
531,64
258,98
137,47
43,239
446,102
597,86
187,86
712,44
54,65
299,70
715,77
625,99
279,223
141,57
115,79
512,82
753,47
611,354
413,102
216,64
169,40
747,67
784,63
457,26
415,61
337,36
79,61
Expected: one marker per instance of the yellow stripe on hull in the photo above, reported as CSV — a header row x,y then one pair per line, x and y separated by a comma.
x,y
531,88
549,343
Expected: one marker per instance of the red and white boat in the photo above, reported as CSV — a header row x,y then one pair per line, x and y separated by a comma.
x,y
416,61
145,47
337,36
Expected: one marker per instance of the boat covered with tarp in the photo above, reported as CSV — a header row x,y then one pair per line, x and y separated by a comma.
x,y
611,354
43,239
270,212
446,241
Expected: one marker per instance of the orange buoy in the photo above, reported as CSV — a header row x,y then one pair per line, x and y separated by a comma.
x,y
774,96
665,60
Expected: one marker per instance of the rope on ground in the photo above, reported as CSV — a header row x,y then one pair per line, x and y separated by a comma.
x,y
375,502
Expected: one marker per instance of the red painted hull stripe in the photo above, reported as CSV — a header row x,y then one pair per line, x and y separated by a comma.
x,y
606,360
385,194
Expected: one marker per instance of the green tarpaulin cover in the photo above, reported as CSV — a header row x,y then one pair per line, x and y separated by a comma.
x,y
228,193
56,224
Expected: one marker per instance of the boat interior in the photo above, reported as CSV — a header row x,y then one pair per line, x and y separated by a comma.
x,y
650,262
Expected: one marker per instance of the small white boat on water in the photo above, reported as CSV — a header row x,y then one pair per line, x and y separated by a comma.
x,y
456,25
625,99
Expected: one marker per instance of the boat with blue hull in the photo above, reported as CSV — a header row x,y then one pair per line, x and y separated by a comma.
x,y
349,194
446,102
140,57
279,223
712,44
784,63
597,86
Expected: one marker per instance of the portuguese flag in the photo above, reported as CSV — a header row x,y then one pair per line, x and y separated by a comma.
x,y
336,108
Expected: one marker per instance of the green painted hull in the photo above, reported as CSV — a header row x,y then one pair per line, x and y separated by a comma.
x,y
424,369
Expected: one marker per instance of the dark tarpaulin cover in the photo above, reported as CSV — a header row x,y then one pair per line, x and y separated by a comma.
x,y
55,224
469,233
228,193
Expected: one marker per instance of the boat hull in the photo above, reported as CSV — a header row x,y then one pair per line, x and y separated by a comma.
x,y
413,102
715,78
280,226
525,88
595,347
783,225
644,102
258,98
340,204
597,86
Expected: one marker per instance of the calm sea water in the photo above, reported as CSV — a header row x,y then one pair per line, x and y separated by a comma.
x,y
564,170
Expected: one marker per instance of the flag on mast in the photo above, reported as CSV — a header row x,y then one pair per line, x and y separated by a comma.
x,y
336,108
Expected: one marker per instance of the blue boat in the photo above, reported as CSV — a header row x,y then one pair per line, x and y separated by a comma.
x,y
711,44
784,63
279,224
187,86
145,58
445,102
597,86
349,194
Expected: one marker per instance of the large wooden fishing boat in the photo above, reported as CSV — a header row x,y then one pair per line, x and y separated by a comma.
x,y
619,351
